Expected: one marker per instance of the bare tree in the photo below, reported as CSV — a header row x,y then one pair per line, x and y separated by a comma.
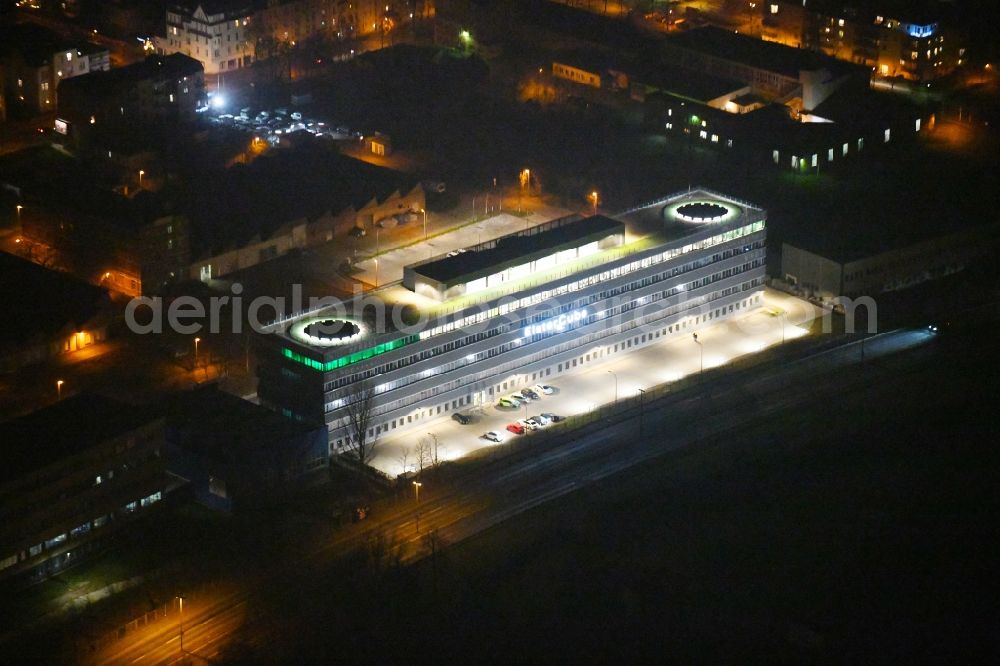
x,y
358,420
425,453
404,460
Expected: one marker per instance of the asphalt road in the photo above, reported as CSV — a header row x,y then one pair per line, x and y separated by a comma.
x,y
529,478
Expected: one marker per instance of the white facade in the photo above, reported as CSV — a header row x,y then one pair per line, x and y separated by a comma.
x,y
220,40
705,273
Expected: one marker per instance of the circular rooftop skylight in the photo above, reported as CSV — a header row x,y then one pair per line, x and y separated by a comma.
x,y
327,331
701,212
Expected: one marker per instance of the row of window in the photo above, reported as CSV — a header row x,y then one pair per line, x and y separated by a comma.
x,y
78,531
510,325
502,387
548,351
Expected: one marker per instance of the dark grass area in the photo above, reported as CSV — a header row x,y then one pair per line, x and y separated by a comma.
x,y
860,529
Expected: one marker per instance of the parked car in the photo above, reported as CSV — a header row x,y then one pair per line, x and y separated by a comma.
x,y
515,428
531,394
520,396
542,419
492,437
555,418
461,418
529,424
509,403
545,389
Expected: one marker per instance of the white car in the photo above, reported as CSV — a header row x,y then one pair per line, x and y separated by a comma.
x,y
520,396
542,419
529,424
545,389
492,437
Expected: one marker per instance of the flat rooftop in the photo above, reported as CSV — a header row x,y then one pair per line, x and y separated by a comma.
x,y
39,301
64,429
225,428
768,56
518,248
685,83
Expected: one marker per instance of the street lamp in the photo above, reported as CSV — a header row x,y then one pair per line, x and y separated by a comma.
x,y
642,395
141,174
702,348
423,212
18,207
377,247
181,599
59,384
594,198
782,315
611,372
416,495
196,341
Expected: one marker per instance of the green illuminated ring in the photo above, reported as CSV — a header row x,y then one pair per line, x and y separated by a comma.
x,y
298,332
732,212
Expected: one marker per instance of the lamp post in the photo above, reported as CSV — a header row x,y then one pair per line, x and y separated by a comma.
x,y
423,211
594,198
782,315
376,254
181,599
59,384
642,395
196,341
141,174
611,372
18,207
416,495
524,178
701,347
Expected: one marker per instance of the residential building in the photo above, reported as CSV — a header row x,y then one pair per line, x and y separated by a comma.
x,y
226,35
72,475
158,89
36,60
894,39
214,32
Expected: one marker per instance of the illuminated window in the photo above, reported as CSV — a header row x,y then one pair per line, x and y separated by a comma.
x,y
840,22
69,56
888,134
774,8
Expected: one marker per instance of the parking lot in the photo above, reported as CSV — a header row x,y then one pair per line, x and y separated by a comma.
x,y
272,124
585,389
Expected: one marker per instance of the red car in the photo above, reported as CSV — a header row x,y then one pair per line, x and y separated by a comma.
x,y
516,428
